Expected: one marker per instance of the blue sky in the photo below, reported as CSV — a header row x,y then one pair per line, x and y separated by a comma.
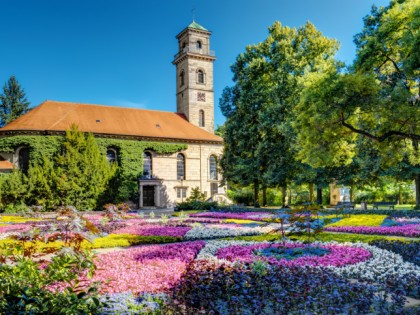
x,y
120,52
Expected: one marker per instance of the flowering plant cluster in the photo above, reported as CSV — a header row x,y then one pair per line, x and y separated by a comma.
x,y
411,230
256,216
225,230
383,267
211,288
361,220
145,269
335,255
410,251
153,230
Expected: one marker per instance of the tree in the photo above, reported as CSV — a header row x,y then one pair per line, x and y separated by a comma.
x,y
377,99
196,195
259,137
13,102
78,176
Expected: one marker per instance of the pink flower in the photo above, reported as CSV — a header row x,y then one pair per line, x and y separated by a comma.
x,y
153,230
339,255
151,269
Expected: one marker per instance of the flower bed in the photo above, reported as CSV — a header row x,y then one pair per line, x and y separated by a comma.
x,y
334,255
153,230
145,269
412,230
256,216
224,230
15,228
361,220
210,288
384,267
410,251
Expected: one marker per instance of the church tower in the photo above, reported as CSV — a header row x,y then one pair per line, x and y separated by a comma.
x,y
194,76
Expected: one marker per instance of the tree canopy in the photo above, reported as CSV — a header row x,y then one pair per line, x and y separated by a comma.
x,y
269,76
13,102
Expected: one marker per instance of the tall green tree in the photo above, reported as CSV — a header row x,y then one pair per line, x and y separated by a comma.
x,y
79,176
259,136
378,99
13,102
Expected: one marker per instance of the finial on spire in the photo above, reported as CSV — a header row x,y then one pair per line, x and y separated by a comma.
x,y
193,13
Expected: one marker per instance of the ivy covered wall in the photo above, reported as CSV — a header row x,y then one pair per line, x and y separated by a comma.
x,y
129,152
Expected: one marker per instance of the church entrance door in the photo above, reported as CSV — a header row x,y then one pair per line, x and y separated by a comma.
x,y
148,196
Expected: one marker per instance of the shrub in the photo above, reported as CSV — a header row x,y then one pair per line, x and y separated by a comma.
x,y
196,195
195,205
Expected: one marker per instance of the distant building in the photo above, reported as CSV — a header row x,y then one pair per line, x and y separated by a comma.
x,y
166,178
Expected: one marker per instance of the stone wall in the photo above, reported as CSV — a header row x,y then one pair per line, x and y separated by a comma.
x,y
197,173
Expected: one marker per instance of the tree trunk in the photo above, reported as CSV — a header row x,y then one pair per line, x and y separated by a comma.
x,y
400,195
319,195
417,188
284,196
256,193
311,192
351,193
264,201
290,197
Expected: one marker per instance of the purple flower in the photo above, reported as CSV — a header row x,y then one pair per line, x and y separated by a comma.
x,y
411,230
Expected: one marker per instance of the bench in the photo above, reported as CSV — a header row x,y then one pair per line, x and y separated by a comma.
x,y
391,205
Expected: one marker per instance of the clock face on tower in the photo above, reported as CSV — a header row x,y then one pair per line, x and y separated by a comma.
x,y
201,97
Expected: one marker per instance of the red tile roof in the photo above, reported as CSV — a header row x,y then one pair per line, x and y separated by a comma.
x,y
53,116
6,165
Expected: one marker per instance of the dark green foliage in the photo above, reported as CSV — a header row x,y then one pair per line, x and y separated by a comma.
x,y
24,288
269,77
13,102
257,289
78,176
40,146
13,188
122,187
410,251
195,205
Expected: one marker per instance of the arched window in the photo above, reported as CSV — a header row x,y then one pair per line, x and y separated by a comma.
x,y
180,166
201,118
147,165
111,155
213,167
182,78
184,44
23,160
200,76
198,45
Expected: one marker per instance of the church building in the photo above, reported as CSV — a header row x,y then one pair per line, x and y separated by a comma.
x,y
178,150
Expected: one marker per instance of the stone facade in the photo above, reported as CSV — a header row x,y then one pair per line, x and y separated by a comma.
x,y
194,77
197,174
195,100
